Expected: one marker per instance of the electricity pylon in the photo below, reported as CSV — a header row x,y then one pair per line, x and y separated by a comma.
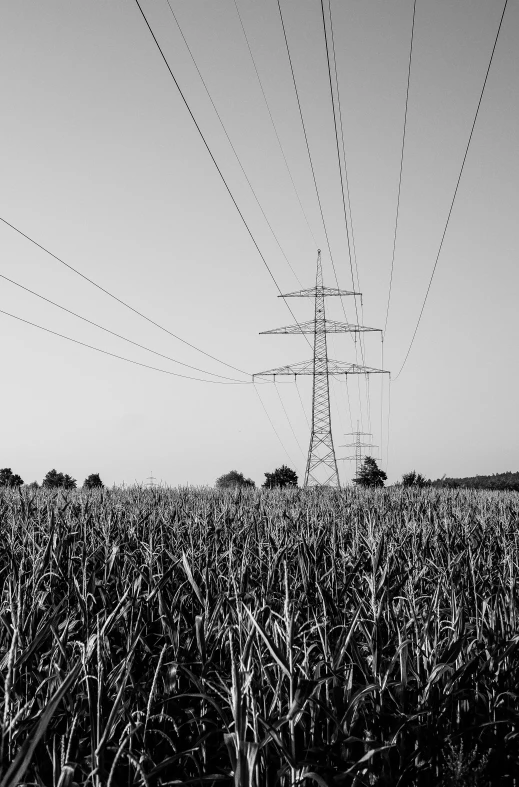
x,y
321,460
359,448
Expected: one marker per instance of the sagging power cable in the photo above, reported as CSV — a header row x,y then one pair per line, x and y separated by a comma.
x,y
118,335
273,427
312,169
455,191
401,168
119,357
274,124
119,300
213,159
232,144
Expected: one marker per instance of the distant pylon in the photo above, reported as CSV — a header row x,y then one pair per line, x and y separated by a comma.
x,y
151,480
359,448
321,465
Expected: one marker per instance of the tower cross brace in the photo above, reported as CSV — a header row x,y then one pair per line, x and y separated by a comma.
x,y
321,465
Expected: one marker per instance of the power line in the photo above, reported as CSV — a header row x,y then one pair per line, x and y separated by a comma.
x,y
401,167
339,156
243,170
242,217
332,98
343,149
198,128
455,190
274,124
311,161
120,357
302,405
231,143
273,427
388,423
115,298
289,421
308,147
382,402
344,162
118,335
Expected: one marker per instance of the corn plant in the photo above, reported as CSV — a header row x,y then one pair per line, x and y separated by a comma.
x,y
258,638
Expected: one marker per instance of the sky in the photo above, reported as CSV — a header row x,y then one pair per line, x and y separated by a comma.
x,y
101,164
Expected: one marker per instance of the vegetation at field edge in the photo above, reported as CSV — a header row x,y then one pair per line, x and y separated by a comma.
x,y
254,637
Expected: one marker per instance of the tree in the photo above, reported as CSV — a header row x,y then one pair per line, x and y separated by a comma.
x,y
234,479
55,480
370,474
8,478
414,479
93,482
281,477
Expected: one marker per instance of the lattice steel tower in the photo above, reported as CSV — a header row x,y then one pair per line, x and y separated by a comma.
x,y
359,447
321,462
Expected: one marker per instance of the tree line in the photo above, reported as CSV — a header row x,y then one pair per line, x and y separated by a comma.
x,y
369,475
281,477
498,481
52,480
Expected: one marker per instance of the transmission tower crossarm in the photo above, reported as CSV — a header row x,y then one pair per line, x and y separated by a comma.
x,y
307,368
312,292
354,458
330,326
359,445
357,433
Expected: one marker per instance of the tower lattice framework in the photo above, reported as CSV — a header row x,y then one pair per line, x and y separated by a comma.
x,y
321,465
359,447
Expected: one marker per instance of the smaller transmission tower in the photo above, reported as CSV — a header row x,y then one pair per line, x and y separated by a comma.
x,y
359,447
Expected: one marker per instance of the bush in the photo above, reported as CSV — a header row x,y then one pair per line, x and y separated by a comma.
x,y
93,482
233,479
8,478
414,479
281,477
55,480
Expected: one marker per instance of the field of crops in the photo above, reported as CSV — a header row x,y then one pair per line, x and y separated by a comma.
x,y
160,637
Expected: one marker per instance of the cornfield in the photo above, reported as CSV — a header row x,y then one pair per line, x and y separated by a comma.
x,y
167,637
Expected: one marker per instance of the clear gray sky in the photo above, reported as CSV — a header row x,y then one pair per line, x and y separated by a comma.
x,y
101,163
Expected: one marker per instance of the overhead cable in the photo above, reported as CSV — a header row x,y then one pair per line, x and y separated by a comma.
x,y
242,217
115,298
274,124
353,248
388,435
339,155
401,167
289,421
232,145
312,165
308,147
332,98
198,128
273,427
455,191
301,401
120,357
118,335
